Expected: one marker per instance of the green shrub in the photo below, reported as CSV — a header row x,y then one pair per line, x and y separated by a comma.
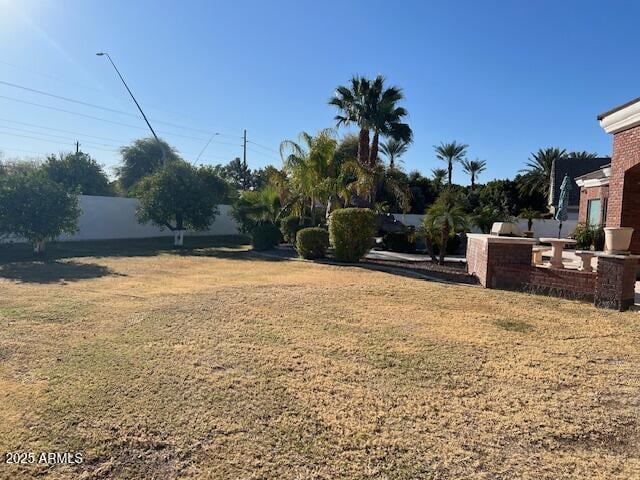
x,y
265,236
598,239
289,226
312,242
351,232
403,242
583,235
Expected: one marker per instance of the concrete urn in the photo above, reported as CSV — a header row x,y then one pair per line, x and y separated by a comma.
x,y
617,239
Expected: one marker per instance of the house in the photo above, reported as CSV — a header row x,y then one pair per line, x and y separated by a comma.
x,y
594,196
612,193
574,168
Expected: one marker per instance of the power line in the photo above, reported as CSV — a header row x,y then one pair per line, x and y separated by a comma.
x,y
263,154
95,118
60,130
56,136
100,107
259,145
71,143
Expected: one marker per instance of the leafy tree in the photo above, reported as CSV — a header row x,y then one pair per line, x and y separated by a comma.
x,y
537,174
450,152
423,190
500,196
143,157
444,218
78,172
473,168
393,149
372,107
347,149
36,208
178,196
241,177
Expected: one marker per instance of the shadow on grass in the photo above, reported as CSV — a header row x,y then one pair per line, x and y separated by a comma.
x,y
230,246
53,271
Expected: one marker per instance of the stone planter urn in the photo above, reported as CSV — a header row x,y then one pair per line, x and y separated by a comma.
x,y
617,239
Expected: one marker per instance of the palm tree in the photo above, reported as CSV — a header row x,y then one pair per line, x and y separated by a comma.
x,y
386,117
537,176
450,153
393,149
583,155
438,174
372,107
310,165
444,218
474,168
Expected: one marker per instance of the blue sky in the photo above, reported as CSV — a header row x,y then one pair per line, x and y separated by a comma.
x,y
505,77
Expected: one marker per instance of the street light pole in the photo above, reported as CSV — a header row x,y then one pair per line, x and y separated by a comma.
x,y
100,54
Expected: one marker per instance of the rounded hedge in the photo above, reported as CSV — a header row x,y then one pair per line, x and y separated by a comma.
x,y
265,236
289,226
351,232
312,242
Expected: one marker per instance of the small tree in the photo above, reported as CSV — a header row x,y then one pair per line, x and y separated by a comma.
x,y
445,218
529,214
143,157
178,196
36,208
78,171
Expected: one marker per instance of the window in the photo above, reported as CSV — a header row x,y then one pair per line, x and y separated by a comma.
x,y
593,212
605,206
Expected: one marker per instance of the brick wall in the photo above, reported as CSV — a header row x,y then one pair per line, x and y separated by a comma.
x,y
615,283
624,191
592,193
508,266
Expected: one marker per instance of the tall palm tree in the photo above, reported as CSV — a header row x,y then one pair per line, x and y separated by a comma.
x,y
393,149
310,165
372,107
451,152
474,168
537,174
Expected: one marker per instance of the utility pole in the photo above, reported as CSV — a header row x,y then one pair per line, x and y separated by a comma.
x,y
244,161
77,147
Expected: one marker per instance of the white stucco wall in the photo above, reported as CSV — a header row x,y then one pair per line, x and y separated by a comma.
x,y
541,227
107,218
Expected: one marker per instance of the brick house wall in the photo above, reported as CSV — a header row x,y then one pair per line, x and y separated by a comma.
x,y
624,184
592,193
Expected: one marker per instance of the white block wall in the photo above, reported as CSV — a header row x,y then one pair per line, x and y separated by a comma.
x,y
107,218
541,227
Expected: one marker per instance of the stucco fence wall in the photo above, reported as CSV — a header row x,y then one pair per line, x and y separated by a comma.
x,y
541,227
109,218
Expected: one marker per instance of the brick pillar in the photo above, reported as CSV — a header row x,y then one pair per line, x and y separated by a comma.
x,y
615,281
624,184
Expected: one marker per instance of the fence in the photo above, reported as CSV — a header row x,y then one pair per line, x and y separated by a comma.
x,y
109,218
541,227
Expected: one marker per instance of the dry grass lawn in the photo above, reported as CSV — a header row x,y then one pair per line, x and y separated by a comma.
x,y
219,364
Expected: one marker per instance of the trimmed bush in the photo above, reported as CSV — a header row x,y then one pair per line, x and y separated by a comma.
x,y
265,236
289,226
312,242
351,233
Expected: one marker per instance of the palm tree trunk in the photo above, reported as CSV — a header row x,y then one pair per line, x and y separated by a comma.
x,y
450,168
473,181
373,153
363,147
443,242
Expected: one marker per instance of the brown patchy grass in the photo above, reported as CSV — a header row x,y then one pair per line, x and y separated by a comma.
x,y
218,364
